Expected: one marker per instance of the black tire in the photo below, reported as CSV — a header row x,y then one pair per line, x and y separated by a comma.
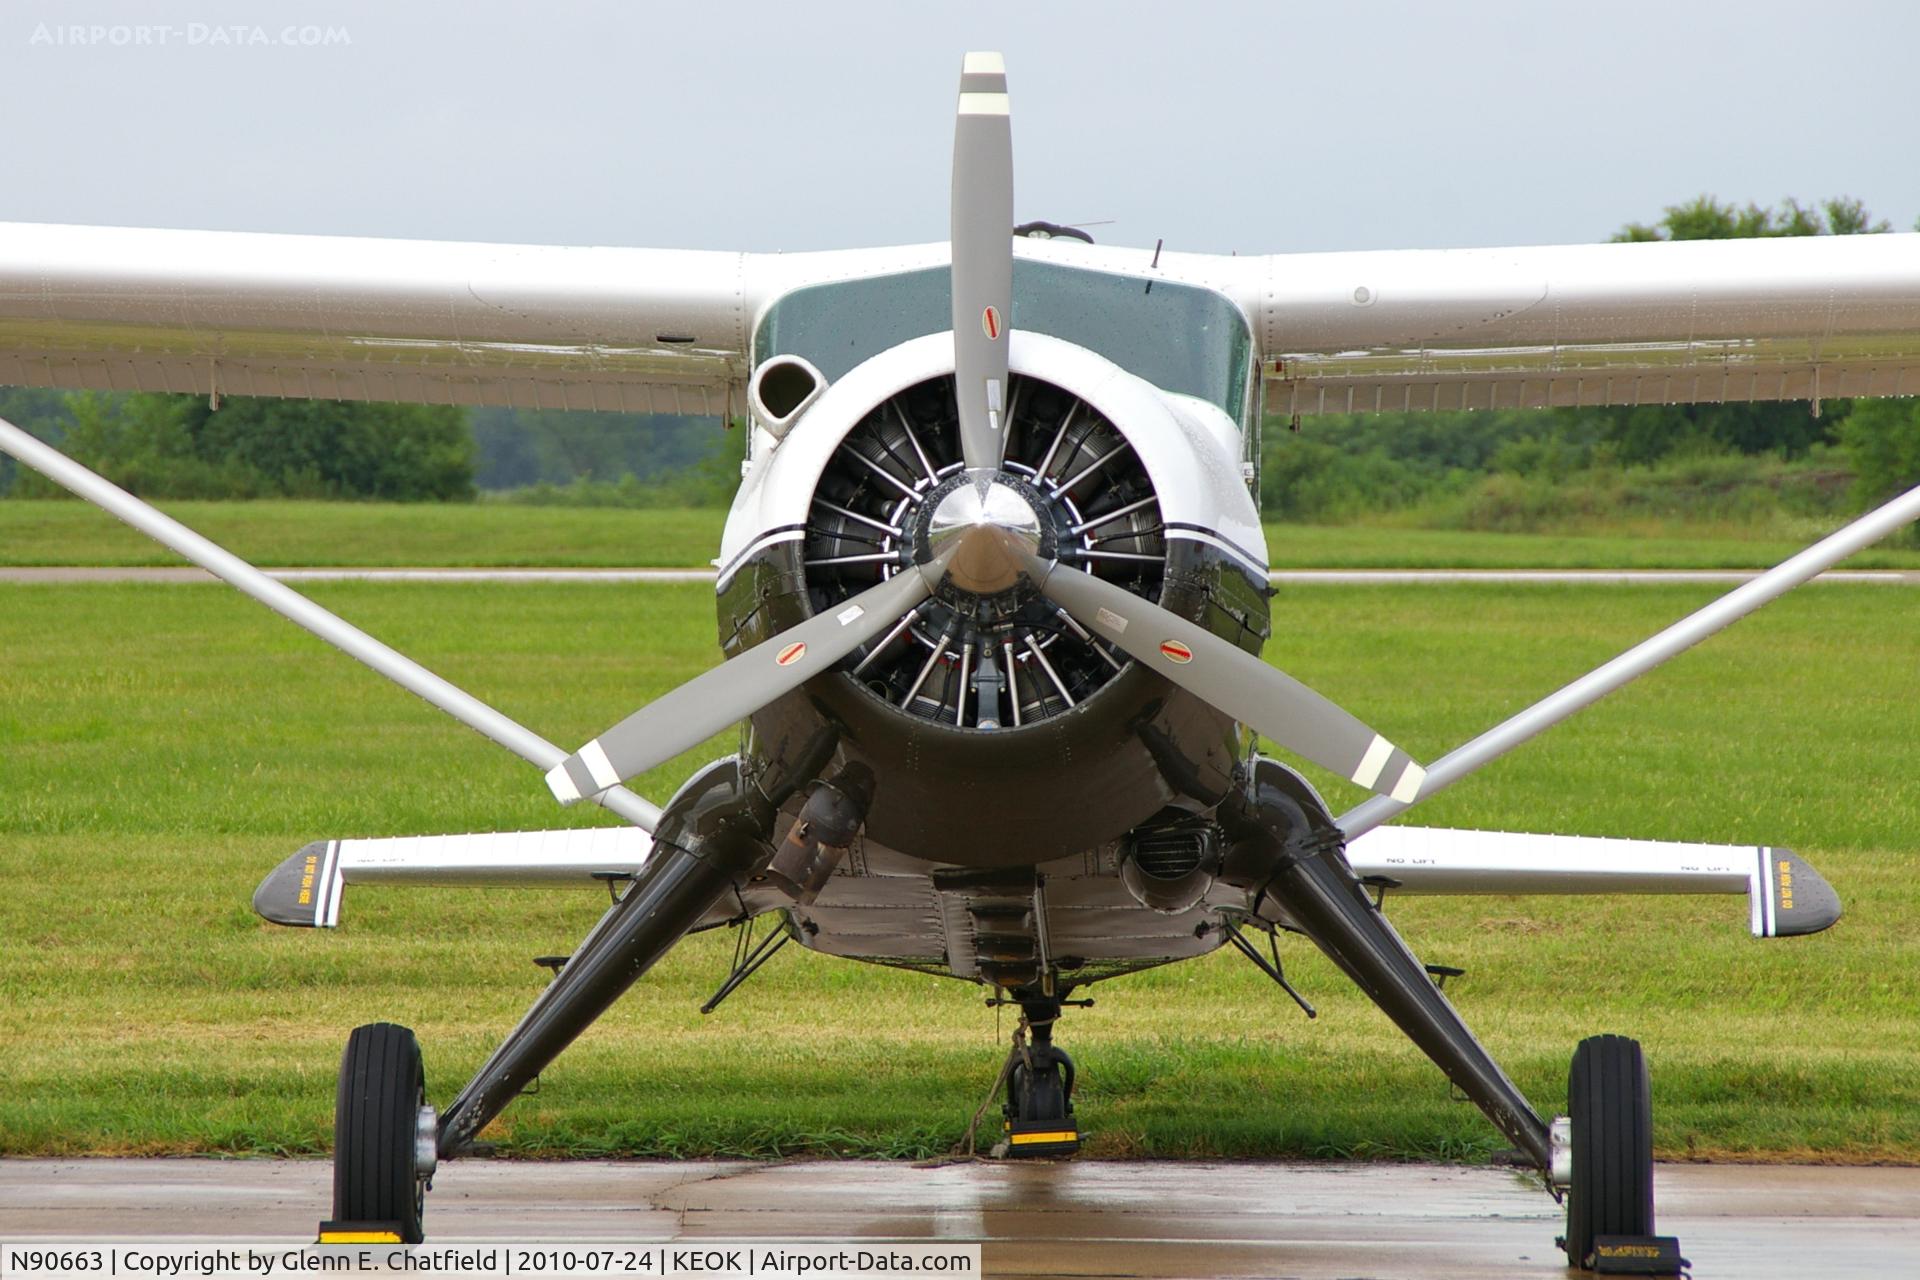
x,y
382,1088
1611,1106
1039,1095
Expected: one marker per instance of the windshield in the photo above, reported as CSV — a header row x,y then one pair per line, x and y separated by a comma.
x,y
1179,337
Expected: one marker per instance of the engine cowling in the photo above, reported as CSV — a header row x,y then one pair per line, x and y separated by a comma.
x,y
1116,477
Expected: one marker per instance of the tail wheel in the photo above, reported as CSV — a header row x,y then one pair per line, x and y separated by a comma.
x,y
1041,1086
379,1116
1611,1106
1037,1095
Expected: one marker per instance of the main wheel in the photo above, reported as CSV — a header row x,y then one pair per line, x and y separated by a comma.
x,y
376,1121
1611,1106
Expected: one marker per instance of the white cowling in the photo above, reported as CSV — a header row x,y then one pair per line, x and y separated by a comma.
x,y
1190,448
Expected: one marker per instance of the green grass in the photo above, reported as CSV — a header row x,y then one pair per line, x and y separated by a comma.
x,y
370,534
391,534
1655,546
161,747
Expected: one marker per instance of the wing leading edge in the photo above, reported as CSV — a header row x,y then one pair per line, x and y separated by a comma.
x,y
417,321
657,330
1704,321
433,322
1786,896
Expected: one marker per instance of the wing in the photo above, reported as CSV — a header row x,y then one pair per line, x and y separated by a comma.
x,y
433,322
652,330
1610,324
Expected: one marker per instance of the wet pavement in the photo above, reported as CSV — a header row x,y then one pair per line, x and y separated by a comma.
x,y
1079,1218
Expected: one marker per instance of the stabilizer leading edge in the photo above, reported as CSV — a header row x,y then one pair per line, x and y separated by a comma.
x,y
307,888
1786,896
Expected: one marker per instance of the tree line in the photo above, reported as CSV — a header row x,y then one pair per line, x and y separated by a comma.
x,y
178,446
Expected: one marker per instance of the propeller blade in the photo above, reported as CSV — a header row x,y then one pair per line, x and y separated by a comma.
x,y
1233,680
982,259
740,686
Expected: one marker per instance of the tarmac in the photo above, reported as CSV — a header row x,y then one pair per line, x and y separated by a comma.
x,y
1073,1218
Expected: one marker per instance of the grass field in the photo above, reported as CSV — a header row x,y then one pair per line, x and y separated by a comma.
x,y
161,747
388,534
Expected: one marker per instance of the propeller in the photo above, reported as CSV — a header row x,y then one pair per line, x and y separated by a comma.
x,y
985,539
1229,678
982,237
982,301
740,686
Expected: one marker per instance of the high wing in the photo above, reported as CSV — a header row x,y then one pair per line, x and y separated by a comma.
x,y
669,331
1587,325
422,321
1704,321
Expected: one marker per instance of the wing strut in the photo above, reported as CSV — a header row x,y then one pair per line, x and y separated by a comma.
x,y
296,608
1639,660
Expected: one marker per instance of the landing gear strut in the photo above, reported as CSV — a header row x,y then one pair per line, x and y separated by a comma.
x,y
1285,845
1038,1114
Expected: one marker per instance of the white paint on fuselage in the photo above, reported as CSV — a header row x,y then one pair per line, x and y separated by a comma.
x,y
1190,448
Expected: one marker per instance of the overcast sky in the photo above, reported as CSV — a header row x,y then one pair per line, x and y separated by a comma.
x,y
1250,127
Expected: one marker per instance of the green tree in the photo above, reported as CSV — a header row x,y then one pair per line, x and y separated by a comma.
x,y
41,412
1882,440
329,449
178,446
519,448
710,480
1705,218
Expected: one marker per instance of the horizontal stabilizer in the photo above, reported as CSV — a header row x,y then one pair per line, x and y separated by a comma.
x,y
306,889
1786,896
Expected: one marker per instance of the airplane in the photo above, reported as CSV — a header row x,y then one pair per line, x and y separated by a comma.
x,y
992,598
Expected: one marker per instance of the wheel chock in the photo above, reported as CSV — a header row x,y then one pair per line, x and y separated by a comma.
x,y
360,1233
1039,1138
1638,1256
